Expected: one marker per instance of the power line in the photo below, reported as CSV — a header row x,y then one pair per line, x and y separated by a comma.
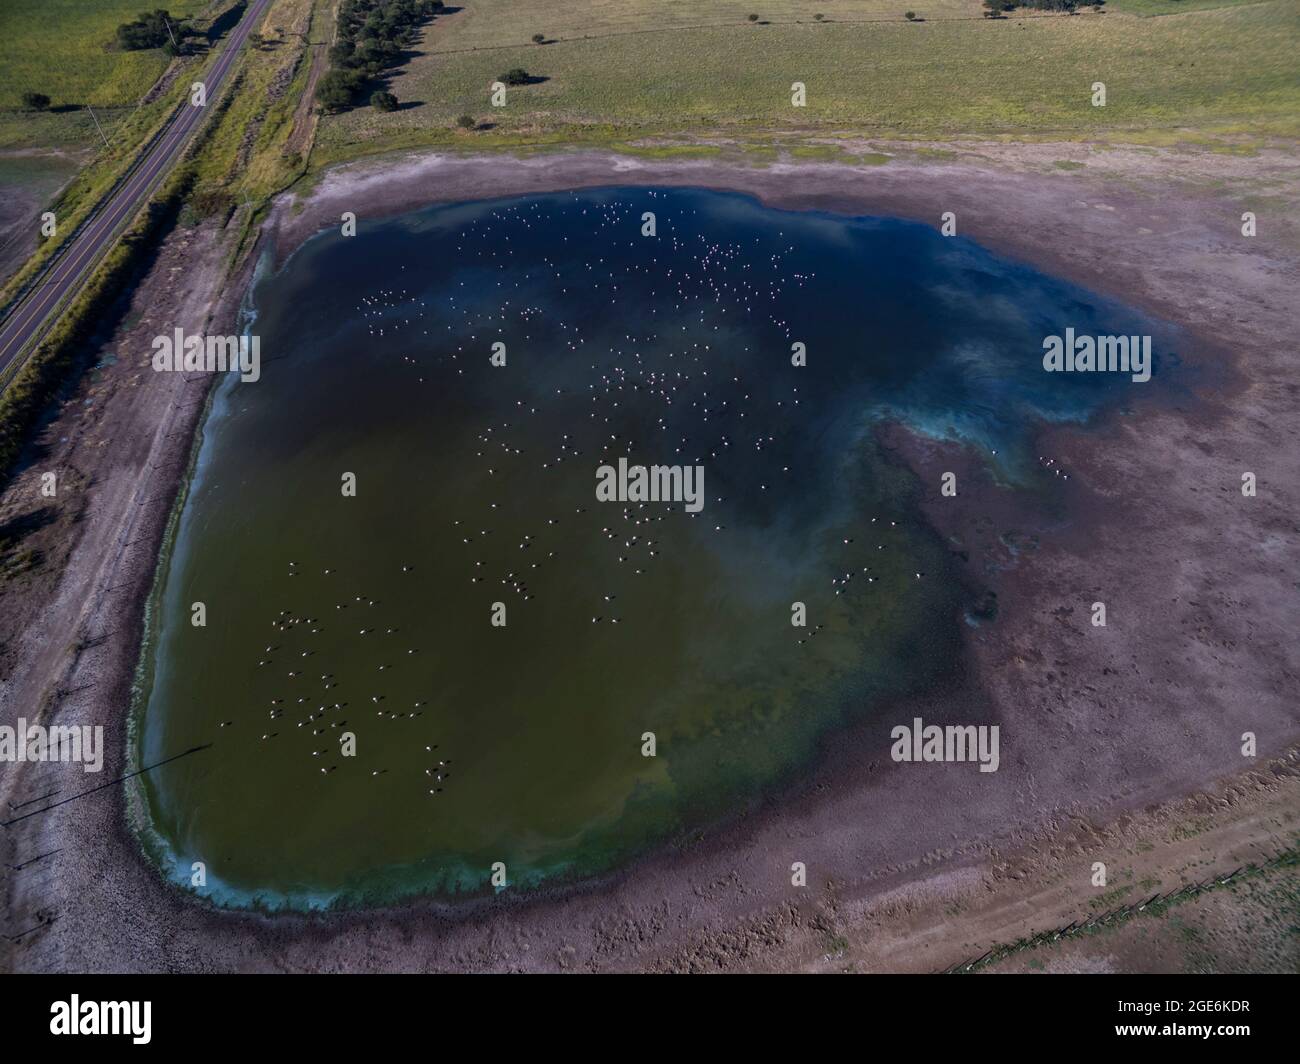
x,y
110,783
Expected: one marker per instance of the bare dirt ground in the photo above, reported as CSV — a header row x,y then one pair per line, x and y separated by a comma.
x,y
1014,892
1105,731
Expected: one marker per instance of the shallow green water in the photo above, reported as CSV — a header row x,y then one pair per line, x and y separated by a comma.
x,y
27,184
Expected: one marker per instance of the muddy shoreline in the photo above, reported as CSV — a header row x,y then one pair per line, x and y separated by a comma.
x,y
1196,653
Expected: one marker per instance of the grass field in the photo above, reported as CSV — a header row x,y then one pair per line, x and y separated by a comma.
x,y
493,23
648,68
65,49
1170,7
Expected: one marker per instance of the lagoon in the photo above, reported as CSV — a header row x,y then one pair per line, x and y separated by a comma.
x,y
495,640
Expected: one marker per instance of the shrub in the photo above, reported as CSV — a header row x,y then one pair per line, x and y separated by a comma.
x,y
334,91
383,101
539,38
467,121
36,101
152,29
910,16
211,201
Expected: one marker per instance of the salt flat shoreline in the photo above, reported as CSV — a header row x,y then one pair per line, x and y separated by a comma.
x,y
1198,647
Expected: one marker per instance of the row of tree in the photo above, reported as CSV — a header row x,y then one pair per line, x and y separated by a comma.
x,y
372,35
998,8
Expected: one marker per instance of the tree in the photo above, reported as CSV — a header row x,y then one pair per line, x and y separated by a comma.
x,y
753,18
152,29
910,16
467,122
334,91
373,36
539,38
383,101
36,101
515,76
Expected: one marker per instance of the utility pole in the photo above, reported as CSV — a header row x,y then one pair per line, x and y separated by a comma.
x,y
98,126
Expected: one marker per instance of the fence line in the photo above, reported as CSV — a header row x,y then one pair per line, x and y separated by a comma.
x,y
1115,916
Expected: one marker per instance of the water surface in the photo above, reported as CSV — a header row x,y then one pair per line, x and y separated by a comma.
x,y
371,615
28,183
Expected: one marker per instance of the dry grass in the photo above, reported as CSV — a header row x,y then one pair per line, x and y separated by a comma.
x,y
951,74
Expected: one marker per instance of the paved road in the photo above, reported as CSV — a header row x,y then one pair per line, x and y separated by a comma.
x,y
32,318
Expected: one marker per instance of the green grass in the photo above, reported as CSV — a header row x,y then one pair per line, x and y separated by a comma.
x,y
497,23
1234,65
244,152
1169,7
66,49
671,151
